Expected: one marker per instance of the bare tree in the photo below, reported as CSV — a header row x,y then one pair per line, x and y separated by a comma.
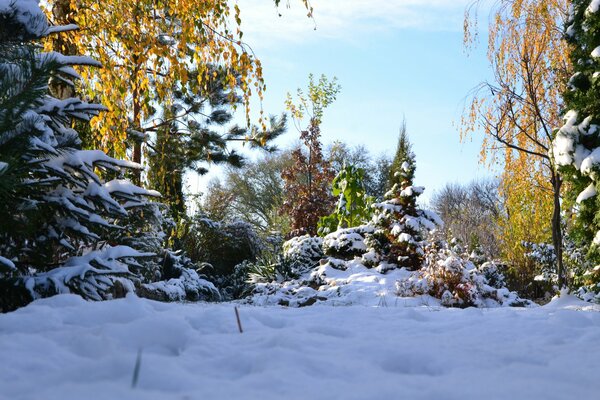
x,y
470,214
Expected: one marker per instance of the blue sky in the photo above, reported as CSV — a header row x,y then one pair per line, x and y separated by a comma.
x,y
393,59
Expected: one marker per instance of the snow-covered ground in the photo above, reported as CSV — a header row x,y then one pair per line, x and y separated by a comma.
x,y
66,348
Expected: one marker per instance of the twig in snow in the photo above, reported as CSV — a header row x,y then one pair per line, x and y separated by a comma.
x,y
136,369
239,322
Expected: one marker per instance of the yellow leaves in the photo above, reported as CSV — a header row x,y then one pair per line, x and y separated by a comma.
x,y
519,110
148,47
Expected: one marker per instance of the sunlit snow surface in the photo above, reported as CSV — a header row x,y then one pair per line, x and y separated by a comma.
x,y
66,348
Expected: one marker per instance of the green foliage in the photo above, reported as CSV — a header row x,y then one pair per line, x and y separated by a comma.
x,y
377,170
189,136
578,140
320,95
403,154
220,244
353,207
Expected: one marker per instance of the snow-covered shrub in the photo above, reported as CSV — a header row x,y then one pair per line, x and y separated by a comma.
x,y
347,243
457,282
179,281
304,252
585,276
93,276
493,274
542,254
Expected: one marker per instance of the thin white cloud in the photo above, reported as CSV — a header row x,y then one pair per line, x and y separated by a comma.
x,y
347,18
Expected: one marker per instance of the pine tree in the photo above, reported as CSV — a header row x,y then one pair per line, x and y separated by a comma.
x,y
400,224
187,137
576,148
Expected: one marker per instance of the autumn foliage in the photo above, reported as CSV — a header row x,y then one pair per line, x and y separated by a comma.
x,y
307,183
518,111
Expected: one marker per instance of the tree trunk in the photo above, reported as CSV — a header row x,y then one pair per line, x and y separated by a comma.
x,y
62,15
137,145
556,229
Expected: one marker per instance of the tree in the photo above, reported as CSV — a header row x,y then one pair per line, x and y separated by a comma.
x,y
191,142
148,48
518,112
400,225
577,142
470,214
54,206
376,171
258,192
217,202
307,196
403,152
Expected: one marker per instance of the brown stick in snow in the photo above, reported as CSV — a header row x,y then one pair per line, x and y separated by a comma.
x,y
239,322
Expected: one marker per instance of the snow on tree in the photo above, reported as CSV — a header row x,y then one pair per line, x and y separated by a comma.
x,y
399,224
576,148
56,212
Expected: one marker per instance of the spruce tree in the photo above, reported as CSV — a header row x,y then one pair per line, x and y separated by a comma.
x,y
576,148
400,225
403,151
62,227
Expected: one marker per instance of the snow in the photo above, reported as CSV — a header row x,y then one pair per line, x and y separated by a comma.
x,y
591,162
596,240
6,263
593,7
28,13
66,348
596,52
62,28
123,186
587,193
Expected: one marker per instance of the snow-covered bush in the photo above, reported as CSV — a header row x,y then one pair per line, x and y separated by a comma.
x,y
235,285
304,252
457,282
543,254
179,281
347,243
